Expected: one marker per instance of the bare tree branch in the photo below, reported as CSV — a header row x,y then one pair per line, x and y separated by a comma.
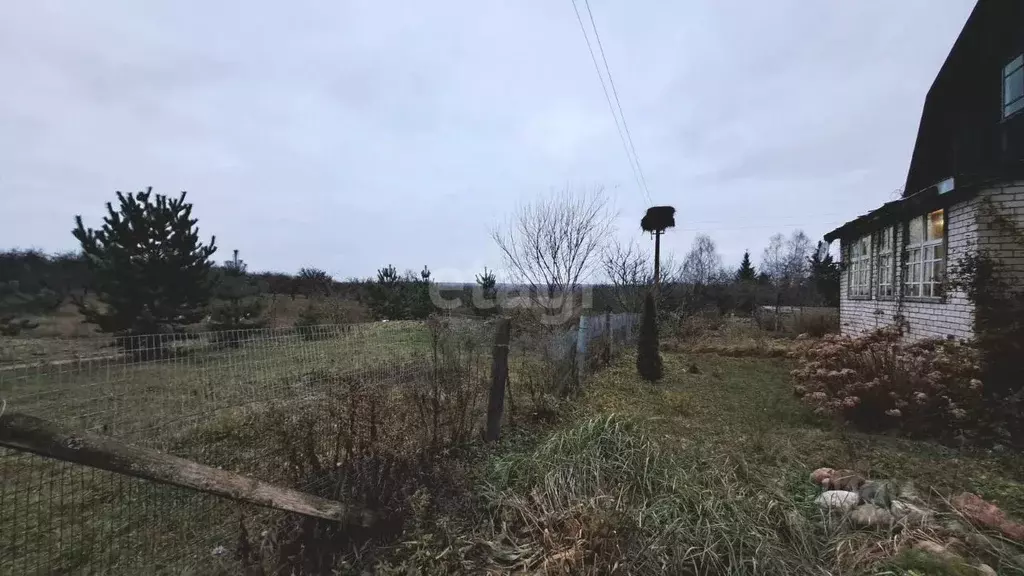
x,y
552,244
702,265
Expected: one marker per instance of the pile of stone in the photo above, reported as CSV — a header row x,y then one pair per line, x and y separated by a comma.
x,y
869,503
884,504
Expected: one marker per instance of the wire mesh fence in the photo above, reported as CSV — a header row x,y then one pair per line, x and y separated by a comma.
x,y
301,408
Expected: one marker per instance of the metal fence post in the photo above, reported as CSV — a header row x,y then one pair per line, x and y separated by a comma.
x,y
608,335
499,375
581,351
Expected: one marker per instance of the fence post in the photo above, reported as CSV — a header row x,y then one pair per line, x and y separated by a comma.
x,y
499,375
581,351
608,334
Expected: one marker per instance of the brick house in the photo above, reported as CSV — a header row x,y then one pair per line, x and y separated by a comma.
x,y
968,159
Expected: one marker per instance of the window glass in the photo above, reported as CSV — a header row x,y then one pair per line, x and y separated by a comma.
x,y
936,225
915,231
1013,86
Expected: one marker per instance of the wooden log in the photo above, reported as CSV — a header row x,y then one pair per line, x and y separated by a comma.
x,y
45,438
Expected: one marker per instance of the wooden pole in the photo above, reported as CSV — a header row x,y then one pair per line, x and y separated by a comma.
x,y
657,260
38,436
499,376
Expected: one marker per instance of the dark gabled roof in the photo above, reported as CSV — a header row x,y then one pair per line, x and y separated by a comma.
x,y
900,210
962,132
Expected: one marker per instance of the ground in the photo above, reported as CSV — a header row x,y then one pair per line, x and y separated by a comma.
x,y
745,407
704,473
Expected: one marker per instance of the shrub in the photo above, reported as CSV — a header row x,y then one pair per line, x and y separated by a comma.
x,y
308,323
929,388
648,359
816,322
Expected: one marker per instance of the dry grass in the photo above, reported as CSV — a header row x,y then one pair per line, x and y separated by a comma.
x,y
706,473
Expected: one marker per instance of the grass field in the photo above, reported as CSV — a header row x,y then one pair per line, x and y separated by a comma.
x,y
203,403
705,471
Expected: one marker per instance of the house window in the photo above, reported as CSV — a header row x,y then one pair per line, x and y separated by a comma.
x,y
926,255
1013,87
860,268
886,257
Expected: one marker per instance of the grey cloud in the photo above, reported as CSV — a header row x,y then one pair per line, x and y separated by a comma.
x,y
352,135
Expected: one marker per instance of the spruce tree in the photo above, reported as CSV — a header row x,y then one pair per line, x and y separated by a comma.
x,y
385,296
746,272
417,294
150,271
648,359
488,287
825,274
238,305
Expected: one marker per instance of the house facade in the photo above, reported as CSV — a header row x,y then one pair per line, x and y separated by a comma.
x,y
966,173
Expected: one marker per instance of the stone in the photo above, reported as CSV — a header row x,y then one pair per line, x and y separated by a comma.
x,y
987,515
908,493
870,516
986,570
847,480
932,548
876,492
822,476
909,514
840,501
802,336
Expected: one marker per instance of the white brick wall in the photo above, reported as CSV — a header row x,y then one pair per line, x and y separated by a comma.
x,y
968,229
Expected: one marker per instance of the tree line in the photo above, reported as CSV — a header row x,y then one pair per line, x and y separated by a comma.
x,y
146,270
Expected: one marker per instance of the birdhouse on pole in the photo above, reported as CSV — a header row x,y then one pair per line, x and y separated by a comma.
x,y
656,221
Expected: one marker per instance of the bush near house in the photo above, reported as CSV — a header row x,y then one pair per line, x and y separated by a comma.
x,y
931,388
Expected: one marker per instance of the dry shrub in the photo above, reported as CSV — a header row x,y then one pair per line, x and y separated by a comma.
x,y
693,327
373,440
929,388
816,322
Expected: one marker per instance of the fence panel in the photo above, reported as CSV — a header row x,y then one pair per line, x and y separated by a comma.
x,y
286,406
233,400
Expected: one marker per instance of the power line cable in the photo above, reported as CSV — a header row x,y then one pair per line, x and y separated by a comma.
x,y
615,93
611,107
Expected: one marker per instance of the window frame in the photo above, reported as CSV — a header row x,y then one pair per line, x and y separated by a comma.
x,y
1016,106
862,265
937,292
890,265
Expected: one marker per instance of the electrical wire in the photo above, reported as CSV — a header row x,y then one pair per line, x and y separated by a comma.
x,y
618,104
633,165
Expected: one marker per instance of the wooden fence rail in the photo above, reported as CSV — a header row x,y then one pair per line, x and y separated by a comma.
x,y
45,438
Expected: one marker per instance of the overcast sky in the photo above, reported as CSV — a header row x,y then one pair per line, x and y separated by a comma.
x,y
352,134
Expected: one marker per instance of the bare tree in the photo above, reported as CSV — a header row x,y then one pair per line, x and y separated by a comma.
x,y
798,250
552,245
773,259
629,268
702,265
630,271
